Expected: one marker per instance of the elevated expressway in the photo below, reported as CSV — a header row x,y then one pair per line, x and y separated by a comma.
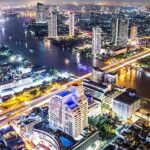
x,y
25,107
123,63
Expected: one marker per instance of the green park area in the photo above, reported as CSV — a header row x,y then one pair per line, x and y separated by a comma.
x,y
105,126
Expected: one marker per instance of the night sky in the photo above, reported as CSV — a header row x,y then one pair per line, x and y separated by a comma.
x,y
19,2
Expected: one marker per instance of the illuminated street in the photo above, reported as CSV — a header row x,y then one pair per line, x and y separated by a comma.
x,y
74,75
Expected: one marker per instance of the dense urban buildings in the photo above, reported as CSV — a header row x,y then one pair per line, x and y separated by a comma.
x,y
74,77
68,118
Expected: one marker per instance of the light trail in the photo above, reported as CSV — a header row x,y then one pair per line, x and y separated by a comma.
x,y
40,101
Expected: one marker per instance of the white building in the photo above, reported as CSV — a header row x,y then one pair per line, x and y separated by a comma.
x,y
52,24
68,111
40,13
96,90
15,83
71,24
133,32
94,109
111,78
125,105
96,41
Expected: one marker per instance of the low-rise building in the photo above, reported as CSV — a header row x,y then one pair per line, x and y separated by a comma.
x,y
117,51
94,108
14,83
126,104
96,90
58,140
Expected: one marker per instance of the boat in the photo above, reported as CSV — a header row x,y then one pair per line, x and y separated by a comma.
x,y
67,61
31,50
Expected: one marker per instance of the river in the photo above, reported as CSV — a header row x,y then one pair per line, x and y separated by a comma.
x,y
23,42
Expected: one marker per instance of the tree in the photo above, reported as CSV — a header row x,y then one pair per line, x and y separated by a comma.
x,y
34,92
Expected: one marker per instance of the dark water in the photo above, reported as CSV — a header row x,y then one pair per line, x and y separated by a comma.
x,y
136,79
21,41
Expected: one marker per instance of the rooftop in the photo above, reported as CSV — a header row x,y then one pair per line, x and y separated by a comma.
x,y
64,93
71,104
126,98
65,141
28,121
100,85
114,48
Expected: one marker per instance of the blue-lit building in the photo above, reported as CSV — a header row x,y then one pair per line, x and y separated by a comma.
x,y
67,127
68,111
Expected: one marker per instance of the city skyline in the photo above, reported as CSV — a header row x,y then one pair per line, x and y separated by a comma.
x,y
99,2
74,76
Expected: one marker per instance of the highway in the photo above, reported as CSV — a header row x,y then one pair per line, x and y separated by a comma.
x,y
15,111
116,66
25,107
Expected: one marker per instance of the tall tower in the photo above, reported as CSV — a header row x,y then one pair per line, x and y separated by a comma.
x,y
40,13
71,24
68,111
52,24
96,41
1,14
119,32
114,31
133,32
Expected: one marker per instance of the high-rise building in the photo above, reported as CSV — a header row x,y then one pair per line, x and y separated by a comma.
x,y
68,111
1,14
119,31
67,127
96,41
133,32
52,24
55,8
71,24
40,13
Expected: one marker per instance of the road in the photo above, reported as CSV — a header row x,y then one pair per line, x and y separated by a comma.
x,y
116,66
40,101
37,102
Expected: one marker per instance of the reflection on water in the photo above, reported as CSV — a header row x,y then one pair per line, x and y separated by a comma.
x,y
38,51
136,79
13,34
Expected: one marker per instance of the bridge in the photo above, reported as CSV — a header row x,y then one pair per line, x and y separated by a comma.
x,y
116,66
15,111
25,107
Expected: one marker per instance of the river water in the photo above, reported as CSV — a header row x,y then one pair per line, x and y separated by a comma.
x,y
23,42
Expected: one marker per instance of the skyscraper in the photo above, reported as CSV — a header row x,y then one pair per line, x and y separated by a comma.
x,y
119,31
1,14
68,111
96,41
133,32
52,24
71,24
40,13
